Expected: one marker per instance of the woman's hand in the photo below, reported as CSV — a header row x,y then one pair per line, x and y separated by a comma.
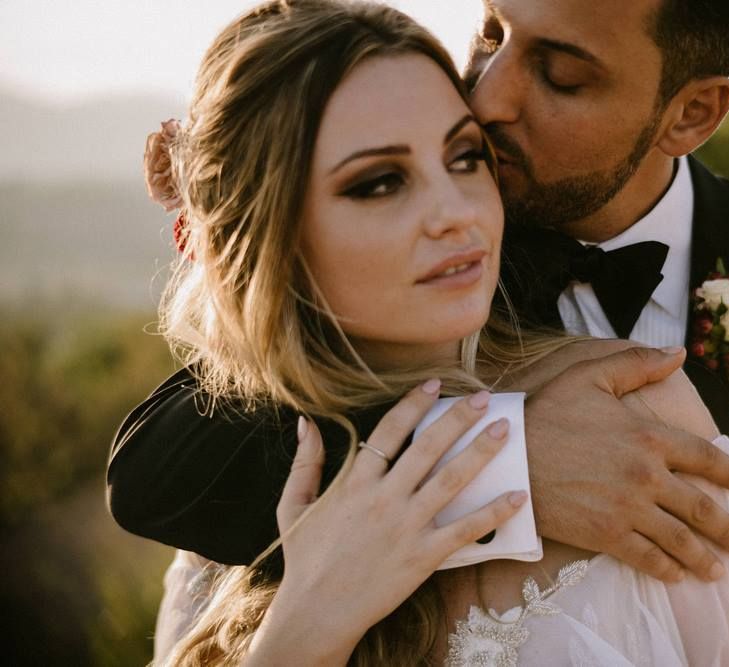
x,y
370,542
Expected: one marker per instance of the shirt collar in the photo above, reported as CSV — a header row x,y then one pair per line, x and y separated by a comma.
x,y
669,222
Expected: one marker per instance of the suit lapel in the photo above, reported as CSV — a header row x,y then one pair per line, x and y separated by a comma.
x,y
709,240
710,233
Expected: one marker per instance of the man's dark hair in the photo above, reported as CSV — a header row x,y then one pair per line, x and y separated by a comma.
x,y
693,36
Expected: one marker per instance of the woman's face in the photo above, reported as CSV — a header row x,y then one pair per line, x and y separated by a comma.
x,y
402,221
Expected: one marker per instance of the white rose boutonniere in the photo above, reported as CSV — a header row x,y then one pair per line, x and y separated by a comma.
x,y
714,293
710,329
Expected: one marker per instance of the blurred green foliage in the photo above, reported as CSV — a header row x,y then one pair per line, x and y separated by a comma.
x,y
715,152
67,381
82,591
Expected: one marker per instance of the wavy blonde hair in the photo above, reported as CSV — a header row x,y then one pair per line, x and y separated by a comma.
x,y
246,314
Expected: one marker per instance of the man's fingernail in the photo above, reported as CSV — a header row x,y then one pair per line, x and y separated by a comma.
x,y
480,401
302,428
432,386
498,429
671,350
518,498
717,571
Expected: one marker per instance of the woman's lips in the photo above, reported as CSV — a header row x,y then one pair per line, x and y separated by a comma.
x,y
458,270
462,276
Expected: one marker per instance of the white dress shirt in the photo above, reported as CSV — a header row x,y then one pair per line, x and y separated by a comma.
x,y
663,320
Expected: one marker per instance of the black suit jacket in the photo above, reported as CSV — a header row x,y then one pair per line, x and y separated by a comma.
x,y
525,265
710,240
211,484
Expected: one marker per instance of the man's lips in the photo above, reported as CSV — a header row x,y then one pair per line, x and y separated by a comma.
x,y
455,265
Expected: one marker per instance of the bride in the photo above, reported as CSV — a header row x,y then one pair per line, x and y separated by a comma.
x,y
342,239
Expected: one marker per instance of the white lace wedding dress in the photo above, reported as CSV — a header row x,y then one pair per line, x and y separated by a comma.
x,y
599,613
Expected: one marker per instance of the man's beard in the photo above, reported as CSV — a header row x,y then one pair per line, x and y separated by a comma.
x,y
570,199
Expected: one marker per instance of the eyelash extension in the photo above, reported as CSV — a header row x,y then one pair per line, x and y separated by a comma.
x,y
363,189
475,154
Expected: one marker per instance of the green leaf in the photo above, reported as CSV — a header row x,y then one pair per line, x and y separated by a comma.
x,y
720,267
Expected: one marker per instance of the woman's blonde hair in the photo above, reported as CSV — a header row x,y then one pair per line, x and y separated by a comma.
x,y
245,313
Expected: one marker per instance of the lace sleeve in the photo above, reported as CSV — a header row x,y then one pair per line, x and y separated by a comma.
x,y
187,585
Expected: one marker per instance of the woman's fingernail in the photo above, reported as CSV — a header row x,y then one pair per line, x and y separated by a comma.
x,y
671,350
302,428
518,498
432,387
480,401
498,429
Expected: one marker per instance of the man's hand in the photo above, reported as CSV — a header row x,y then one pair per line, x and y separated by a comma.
x,y
602,476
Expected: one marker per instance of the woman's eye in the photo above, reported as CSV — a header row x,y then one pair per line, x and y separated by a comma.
x,y
469,162
381,186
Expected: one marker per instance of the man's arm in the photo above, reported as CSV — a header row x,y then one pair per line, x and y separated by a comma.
x,y
602,476
211,485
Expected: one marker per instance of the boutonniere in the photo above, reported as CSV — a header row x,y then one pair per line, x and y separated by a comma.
x,y
710,339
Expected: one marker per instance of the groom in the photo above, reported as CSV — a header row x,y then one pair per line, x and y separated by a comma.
x,y
592,108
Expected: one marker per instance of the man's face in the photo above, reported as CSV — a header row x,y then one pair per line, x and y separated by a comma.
x,y
567,92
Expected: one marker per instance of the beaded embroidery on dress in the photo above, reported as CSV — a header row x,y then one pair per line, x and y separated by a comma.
x,y
484,640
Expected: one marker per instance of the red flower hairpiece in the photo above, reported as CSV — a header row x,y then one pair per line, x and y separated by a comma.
x,y
159,177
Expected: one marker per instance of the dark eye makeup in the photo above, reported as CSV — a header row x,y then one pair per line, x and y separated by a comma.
x,y
373,187
389,179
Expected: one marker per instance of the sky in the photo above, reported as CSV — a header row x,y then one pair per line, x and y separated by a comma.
x,y
65,51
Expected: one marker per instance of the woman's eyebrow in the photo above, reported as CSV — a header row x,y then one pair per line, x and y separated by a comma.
x,y
400,149
468,118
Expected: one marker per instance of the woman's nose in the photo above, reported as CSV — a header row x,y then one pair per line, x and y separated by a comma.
x,y
452,212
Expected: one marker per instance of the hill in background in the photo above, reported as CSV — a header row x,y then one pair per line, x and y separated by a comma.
x,y
75,220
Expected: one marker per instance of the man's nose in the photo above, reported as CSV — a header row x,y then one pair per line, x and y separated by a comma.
x,y
499,92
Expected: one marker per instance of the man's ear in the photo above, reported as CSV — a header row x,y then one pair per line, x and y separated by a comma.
x,y
694,114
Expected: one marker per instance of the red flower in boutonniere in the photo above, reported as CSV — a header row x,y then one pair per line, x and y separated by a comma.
x,y
710,330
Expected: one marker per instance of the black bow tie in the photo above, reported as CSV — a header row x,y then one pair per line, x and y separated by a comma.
x,y
540,263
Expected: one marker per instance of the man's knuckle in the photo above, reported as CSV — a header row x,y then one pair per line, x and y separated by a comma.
x,y
708,454
703,509
644,475
723,538
610,530
651,440
654,559
705,562
681,537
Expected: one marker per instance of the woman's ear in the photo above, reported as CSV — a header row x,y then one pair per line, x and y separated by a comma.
x,y
693,115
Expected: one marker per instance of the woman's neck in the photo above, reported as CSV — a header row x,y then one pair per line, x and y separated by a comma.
x,y
387,356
